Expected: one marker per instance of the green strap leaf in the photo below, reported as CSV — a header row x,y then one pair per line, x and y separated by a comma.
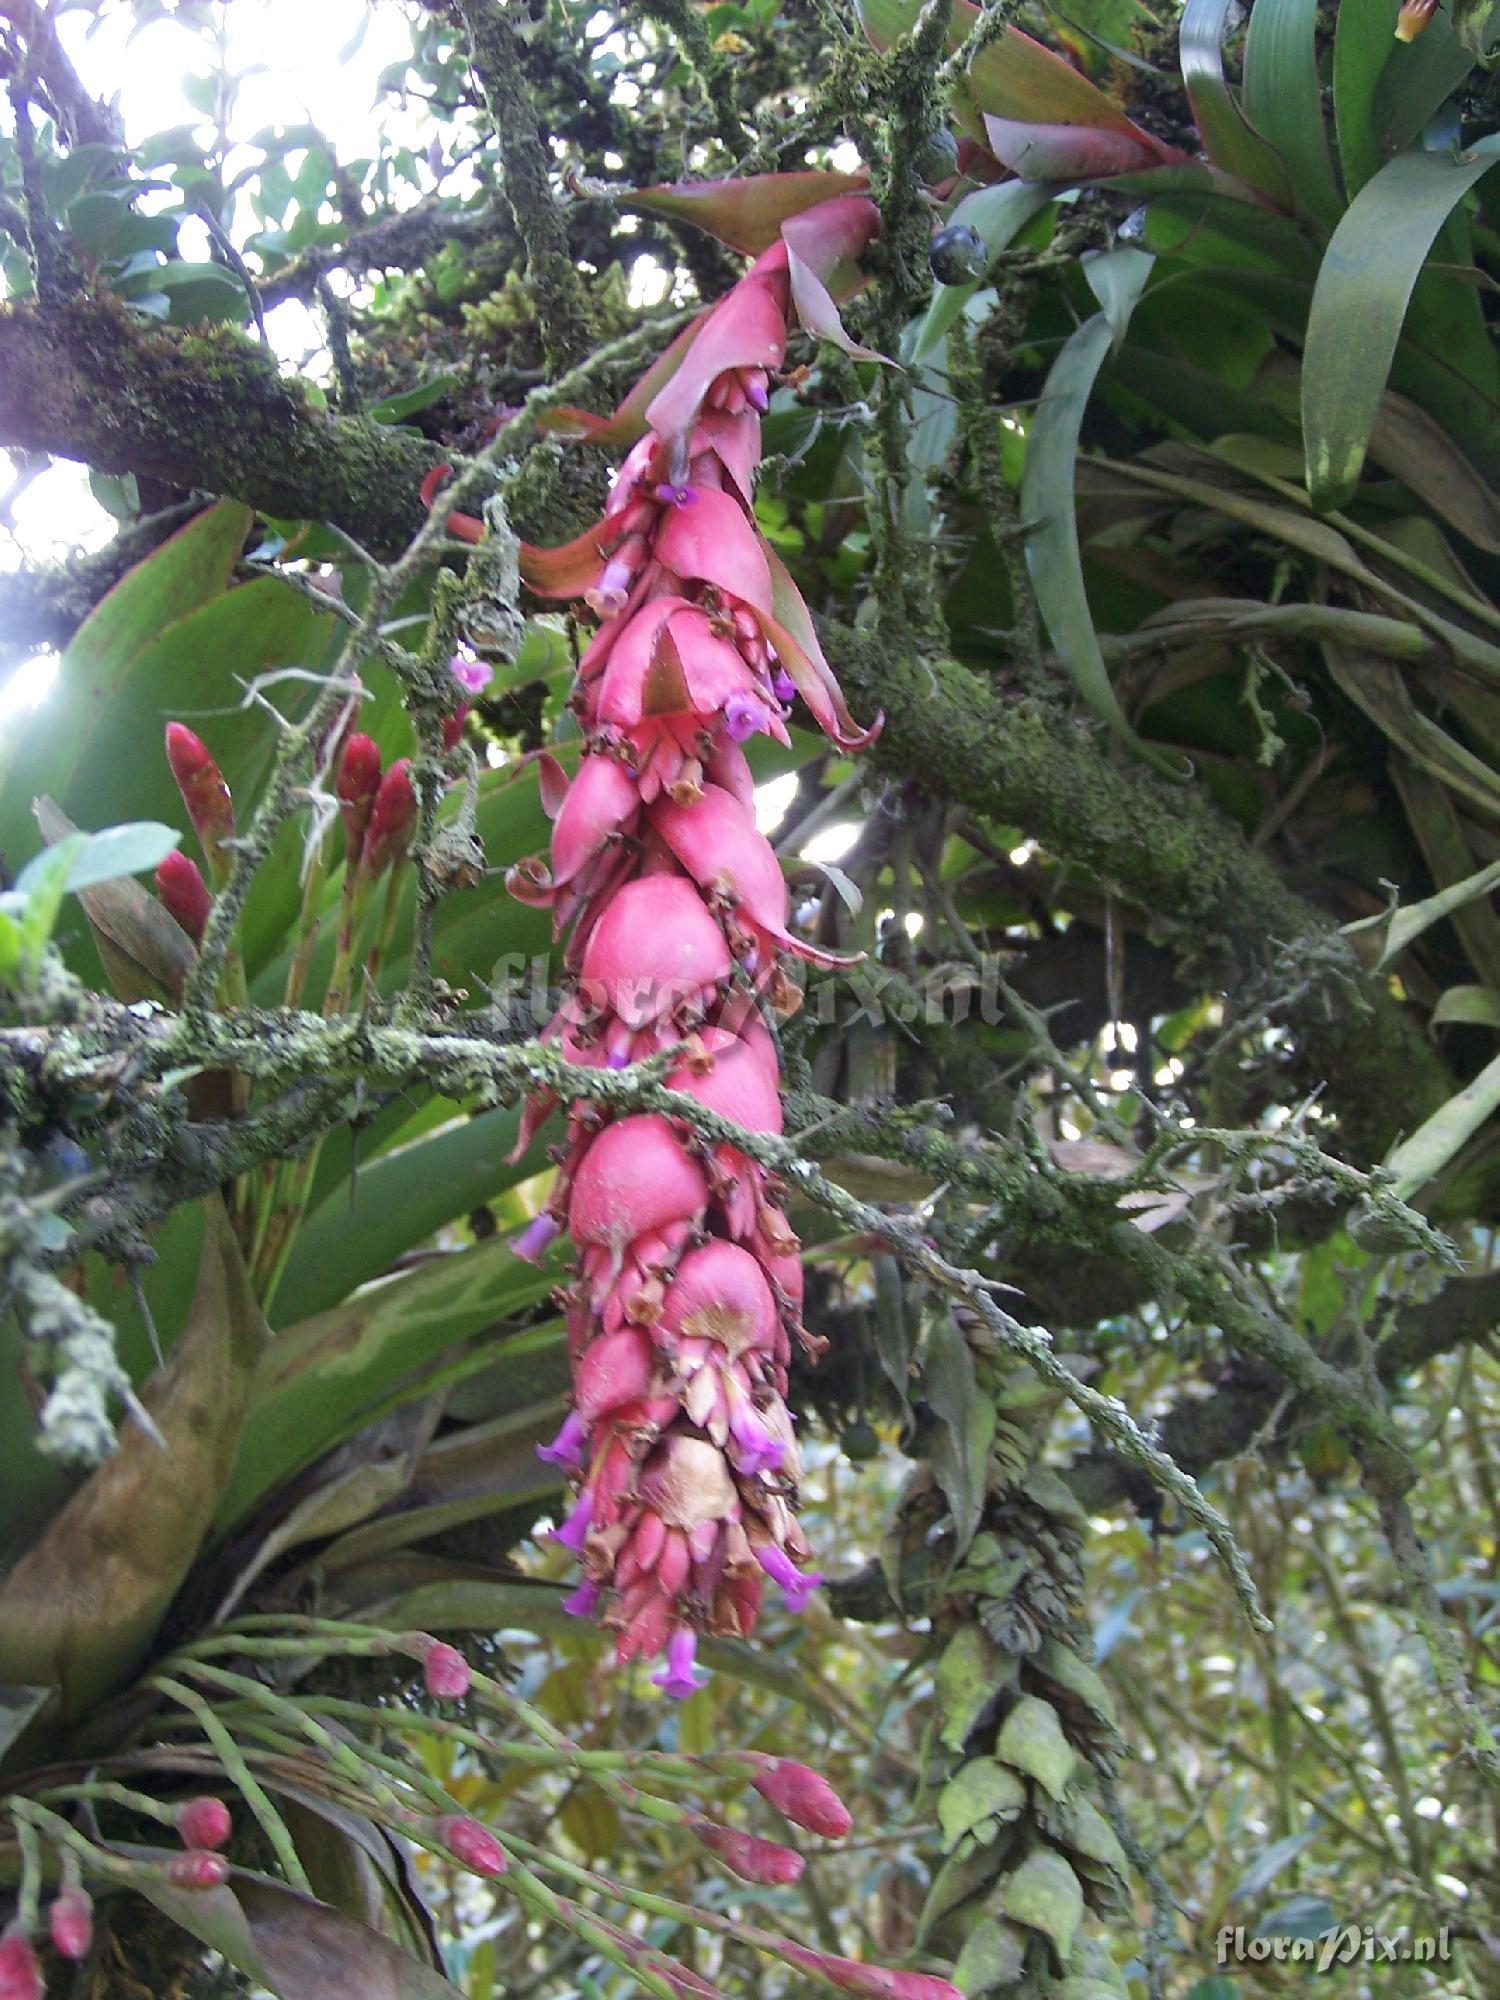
x,y
1360,302
1229,139
1052,553
1364,39
1284,101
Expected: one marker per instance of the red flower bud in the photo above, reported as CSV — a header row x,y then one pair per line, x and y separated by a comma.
x,y
356,786
20,1972
750,1857
203,790
805,1797
475,1846
453,726
204,1823
874,1982
71,1922
198,1868
391,817
185,894
1413,18
445,1672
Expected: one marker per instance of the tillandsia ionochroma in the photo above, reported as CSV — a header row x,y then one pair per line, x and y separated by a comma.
x,y
688,1283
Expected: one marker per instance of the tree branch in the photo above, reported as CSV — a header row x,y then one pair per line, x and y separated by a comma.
x,y
1204,1431
563,315
202,411
1163,848
402,242
81,119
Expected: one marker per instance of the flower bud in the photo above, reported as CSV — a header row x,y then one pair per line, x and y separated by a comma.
x,y
184,893
804,1797
70,1920
875,1982
750,1857
391,817
453,726
198,1868
20,1971
475,1846
204,1822
1413,18
204,792
356,786
445,1672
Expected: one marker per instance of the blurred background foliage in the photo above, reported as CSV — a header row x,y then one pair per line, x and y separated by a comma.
x,y
1166,535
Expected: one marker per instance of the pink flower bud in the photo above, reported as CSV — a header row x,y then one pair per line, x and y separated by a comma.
x,y
750,1857
184,893
805,1797
204,1822
20,1971
71,1922
203,790
391,818
445,1672
358,781
475,1846
198,1868
876,1982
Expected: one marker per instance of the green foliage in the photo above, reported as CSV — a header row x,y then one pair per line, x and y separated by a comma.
x,y
1194,483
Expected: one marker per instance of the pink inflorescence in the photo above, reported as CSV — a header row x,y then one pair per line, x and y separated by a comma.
x,y
688,1284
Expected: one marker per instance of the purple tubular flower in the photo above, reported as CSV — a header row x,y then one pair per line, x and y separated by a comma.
x,y
582,1602
566,1449
472,675
757,395
779,1566
574,1531
679,1676
759,1451
744,717
535,1237
677,496
782,685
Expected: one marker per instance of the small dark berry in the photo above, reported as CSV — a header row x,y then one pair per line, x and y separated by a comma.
x,y
859,1442
937,157
957,255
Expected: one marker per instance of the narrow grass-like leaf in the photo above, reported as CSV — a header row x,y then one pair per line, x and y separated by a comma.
x,y
1360,301
1047,509
1420,1159
1408,923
